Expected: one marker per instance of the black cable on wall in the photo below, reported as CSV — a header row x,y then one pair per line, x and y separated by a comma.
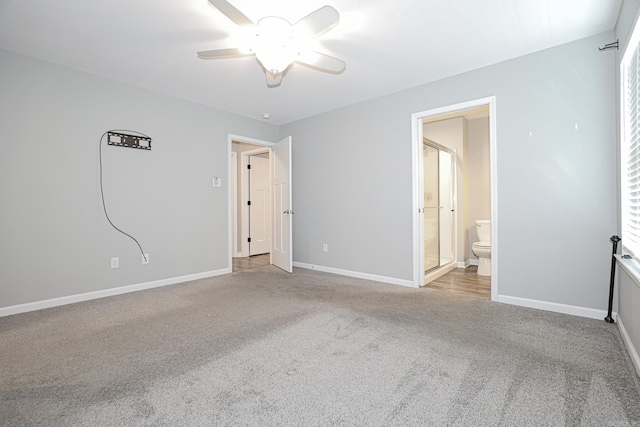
x,y
104,206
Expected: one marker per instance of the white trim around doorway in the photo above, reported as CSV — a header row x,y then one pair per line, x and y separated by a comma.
x,y
230,139
234,204
417,203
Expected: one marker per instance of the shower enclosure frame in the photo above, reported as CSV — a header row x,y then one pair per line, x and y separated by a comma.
x,y
442,206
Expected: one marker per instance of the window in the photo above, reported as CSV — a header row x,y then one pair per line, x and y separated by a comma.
x,y
630,144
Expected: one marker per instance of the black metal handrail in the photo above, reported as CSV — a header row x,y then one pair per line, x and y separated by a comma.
x,y
614,240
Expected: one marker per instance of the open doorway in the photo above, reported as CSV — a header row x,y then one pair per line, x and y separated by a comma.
x,y
461,139
252,201
260,208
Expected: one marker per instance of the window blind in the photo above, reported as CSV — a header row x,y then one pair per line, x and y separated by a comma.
x,y
630,68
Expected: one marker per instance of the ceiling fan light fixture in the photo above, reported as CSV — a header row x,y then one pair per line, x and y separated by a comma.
x,y
275,46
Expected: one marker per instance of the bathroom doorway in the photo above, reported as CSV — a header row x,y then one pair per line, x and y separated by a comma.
x,y
439,207
474,188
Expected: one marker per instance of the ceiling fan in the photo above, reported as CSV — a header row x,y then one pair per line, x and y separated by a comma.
x,y
278,44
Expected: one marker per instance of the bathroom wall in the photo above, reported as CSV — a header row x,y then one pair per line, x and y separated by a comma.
x,y
479,177
452,133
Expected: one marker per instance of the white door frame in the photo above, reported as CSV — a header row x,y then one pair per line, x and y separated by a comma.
x,y
418,177
234,205
230,139
244,195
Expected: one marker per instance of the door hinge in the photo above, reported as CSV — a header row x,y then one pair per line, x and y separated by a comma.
x,y
248,202
248,166
249,240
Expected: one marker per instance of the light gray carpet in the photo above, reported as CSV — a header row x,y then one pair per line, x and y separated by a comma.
x,y
263,347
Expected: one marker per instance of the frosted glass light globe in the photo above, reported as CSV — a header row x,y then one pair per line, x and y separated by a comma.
x,y
275,47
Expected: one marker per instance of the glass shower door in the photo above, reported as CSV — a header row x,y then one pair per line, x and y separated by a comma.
x,y
431,207
438,164
446,225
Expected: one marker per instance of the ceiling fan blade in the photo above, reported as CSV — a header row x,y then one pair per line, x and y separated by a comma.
x,y
228,10
274,81
224,53
322,62
317,23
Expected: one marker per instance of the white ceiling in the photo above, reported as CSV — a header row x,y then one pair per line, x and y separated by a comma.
x,y
388,45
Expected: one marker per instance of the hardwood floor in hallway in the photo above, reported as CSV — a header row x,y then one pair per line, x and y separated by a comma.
x,y
240,264
463,281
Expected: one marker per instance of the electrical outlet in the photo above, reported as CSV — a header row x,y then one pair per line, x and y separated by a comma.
x,y
145,259
115,262
325,247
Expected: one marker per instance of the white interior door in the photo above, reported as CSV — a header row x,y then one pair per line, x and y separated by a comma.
x,y
260,207
281,246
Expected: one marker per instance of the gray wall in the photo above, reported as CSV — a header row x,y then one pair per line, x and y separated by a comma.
x,y
351,188
55,239
628,289
556,191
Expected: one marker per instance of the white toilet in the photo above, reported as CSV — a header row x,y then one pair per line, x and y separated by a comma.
x,y
482,248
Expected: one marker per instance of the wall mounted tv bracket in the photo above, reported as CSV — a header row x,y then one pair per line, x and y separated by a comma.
x,y
131,141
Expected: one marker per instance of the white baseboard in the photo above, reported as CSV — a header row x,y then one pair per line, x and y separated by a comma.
x,y
633,353
590,313
55,302
578,311
473,261
356,274
467,263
